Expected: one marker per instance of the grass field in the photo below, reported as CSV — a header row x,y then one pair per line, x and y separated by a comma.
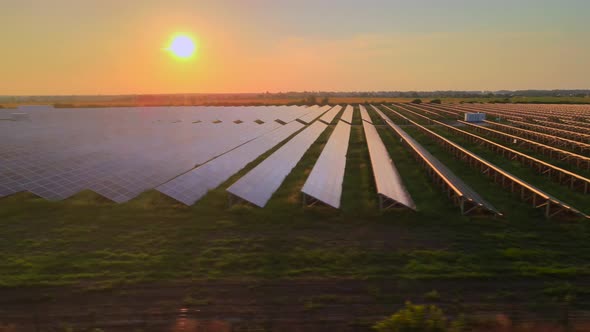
x,y
88,243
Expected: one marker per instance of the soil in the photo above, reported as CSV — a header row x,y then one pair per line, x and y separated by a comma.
x,y
281,305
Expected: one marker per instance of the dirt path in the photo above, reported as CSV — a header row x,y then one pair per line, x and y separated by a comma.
x,y
310,305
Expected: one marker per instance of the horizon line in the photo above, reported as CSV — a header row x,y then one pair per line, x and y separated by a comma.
x,y
295,92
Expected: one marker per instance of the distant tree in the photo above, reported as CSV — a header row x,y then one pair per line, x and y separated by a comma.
x,y
325,101
417,101
63,105
311,100
436,101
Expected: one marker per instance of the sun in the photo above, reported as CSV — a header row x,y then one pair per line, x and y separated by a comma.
x,y
182,46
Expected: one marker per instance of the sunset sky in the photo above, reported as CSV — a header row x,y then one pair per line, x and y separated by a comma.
x,y
118,46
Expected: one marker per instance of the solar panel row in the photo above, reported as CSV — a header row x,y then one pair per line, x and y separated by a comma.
x,y
193,185
324,183
550,205
552,152
365,115
347,115
329,116
464,192
314,113
258,185
120,152
573,180
387,179
169,161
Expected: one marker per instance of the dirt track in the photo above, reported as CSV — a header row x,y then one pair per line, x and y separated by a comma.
x,y
322,305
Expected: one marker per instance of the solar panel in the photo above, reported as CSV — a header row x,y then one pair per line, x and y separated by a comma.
x,y
347,115
39,153
365,115
120,152
387,179
325,180
258,185
528,192
329,116
172,160
315,113
464,190
291,113
191,186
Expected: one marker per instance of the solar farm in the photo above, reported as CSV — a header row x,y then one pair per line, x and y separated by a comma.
x,y
300,214
185,152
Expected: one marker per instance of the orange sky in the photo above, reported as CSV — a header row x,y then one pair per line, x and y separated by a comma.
x,y
116,47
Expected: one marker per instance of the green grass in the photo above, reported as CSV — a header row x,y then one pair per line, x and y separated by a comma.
x,y
358,190
91,241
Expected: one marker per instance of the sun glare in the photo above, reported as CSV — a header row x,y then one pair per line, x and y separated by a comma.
x,y
182,47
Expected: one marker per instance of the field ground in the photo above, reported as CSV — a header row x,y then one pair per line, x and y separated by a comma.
x,y
87,262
